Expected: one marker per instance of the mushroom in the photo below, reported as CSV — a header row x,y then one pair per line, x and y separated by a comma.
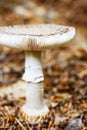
x,y
33,39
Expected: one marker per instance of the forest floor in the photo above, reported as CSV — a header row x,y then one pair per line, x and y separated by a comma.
x,y
65,94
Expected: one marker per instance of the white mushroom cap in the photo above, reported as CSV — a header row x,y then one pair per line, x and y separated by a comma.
x,y
35,36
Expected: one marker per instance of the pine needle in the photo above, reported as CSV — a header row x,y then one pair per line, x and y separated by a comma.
x,y
20,123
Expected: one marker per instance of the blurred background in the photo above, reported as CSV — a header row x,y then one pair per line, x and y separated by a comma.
x,y
64,12
65,68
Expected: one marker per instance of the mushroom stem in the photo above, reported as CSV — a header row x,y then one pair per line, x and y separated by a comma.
x,y
33,67
35,105
33,76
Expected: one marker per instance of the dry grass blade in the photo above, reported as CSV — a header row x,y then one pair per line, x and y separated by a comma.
x,y
20,124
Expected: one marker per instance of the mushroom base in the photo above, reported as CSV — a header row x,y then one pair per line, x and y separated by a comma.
x,y
35,112
34,116
34,105
42,121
